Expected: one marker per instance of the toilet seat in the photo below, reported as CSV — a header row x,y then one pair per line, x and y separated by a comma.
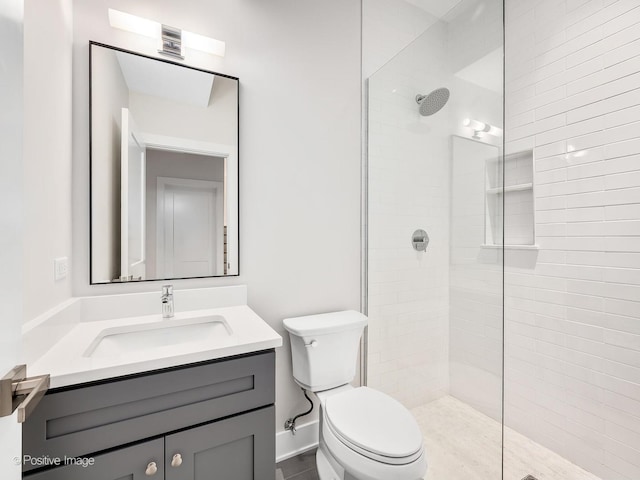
x,y
374,425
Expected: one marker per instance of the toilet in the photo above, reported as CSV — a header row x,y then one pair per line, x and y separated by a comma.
x,y
364,434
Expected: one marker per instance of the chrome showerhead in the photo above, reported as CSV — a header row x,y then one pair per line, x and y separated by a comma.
x,y
433,103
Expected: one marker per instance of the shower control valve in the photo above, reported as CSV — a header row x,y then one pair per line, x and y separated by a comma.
x,y
420,240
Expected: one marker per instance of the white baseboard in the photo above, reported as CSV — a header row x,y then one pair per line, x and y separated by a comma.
x,y
289,445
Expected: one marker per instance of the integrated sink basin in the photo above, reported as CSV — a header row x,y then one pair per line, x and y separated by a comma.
x,y
111,336
195,334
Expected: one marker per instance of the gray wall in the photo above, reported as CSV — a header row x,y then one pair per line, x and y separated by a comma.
x,y
175,165
299,67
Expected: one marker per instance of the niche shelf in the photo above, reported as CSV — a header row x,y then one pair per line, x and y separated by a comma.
x,y
511,188
516,211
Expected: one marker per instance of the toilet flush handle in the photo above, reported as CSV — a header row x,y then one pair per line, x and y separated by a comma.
x,y
312,343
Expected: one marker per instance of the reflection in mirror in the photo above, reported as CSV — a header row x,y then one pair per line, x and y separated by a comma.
x,y
164,169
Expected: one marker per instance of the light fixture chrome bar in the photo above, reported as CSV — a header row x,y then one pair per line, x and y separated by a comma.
x,y
173,39
171,42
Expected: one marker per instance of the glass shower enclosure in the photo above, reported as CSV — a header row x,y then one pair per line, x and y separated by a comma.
x,y
435,165
503,257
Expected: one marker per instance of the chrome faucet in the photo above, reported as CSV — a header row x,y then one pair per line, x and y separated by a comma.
x,y
167,301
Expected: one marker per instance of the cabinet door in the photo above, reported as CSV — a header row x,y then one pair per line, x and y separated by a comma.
x,y
124,464
238,448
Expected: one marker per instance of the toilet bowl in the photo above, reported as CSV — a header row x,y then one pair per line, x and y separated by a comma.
x,y
370,436
364,433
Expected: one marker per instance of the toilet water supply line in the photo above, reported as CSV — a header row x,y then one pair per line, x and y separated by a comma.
x,y
291,423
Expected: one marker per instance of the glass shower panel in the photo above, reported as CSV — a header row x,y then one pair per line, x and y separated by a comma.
x,y
435,163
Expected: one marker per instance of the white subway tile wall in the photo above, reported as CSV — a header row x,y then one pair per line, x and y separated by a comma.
x,y
408,294
572,326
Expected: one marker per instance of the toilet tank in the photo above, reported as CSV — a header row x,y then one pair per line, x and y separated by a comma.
x,y
324,348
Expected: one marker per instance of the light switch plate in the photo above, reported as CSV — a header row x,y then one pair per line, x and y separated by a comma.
x,y
60,268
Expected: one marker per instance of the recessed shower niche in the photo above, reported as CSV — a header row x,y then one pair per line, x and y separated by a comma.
x,y
510,192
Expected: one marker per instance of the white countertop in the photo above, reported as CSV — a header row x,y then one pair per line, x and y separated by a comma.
x,y
67,363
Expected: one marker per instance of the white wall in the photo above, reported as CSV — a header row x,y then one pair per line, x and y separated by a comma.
x,y
12,219
299,149
110,95
47,151
573,312
388,26
214,124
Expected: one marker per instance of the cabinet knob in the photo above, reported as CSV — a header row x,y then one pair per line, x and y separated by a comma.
x,y
176,461
151,469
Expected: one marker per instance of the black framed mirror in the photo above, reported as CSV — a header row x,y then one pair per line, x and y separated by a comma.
x,y
164,169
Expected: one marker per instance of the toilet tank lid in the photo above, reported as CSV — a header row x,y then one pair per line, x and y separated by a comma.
x,y
325,323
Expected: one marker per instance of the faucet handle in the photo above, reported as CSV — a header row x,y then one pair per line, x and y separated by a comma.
x,y
167,290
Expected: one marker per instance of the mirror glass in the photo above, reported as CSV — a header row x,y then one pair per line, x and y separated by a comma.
x,y
164,169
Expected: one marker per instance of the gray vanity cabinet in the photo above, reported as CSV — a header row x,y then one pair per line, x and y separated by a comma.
x,y
225,450
127,463
216,418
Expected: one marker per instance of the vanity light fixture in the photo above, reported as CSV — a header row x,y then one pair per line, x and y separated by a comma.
x,y
172,39
480,128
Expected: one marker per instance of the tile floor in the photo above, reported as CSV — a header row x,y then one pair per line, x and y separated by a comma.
x,y
302,467
464,444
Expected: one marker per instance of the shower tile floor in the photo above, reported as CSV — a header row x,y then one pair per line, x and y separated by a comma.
x,y
463,443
